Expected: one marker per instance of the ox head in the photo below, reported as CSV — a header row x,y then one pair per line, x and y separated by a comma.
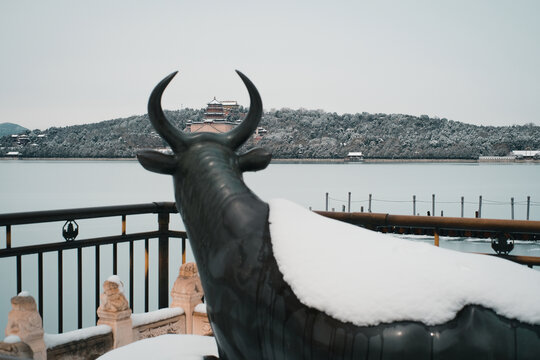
x,y
194,150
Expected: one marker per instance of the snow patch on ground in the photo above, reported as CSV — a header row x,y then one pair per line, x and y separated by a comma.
x,y
368,278
54,340
155,316
166,347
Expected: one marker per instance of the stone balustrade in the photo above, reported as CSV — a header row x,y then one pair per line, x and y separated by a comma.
x,y
116,325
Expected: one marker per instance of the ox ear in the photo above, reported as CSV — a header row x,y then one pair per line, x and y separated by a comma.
x,y
254,160
157,162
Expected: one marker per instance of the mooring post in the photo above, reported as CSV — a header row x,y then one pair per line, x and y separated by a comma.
x,y
326,201
414,204
479,207
163,262
8,236
462,205
361,209
512,206
369,207
343,208
433,204
349,206
528,206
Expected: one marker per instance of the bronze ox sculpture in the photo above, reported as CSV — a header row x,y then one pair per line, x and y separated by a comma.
x,y
254,313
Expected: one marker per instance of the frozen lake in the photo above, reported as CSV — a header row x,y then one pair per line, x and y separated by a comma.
x,y
29,185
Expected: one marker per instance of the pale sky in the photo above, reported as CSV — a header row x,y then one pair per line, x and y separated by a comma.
x,y
66,62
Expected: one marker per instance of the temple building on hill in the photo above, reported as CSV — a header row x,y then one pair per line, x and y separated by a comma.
x,y
216,118
220,117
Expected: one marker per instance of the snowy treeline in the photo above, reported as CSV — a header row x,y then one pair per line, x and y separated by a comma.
x,y
297,134
317,134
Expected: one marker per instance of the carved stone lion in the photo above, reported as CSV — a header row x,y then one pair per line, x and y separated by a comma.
x,y
112,299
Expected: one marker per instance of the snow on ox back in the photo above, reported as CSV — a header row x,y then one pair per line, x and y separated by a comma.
x,y
367,278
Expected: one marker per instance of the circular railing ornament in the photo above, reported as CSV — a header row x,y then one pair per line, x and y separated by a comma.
x,y
503,244
70,230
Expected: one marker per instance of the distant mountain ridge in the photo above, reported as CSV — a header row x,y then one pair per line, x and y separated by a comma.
x,y
295,134
7,129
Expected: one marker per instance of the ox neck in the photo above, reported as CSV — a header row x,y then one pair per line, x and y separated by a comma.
x,y
208,185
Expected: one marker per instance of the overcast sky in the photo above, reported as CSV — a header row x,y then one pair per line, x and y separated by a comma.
x,y
65,62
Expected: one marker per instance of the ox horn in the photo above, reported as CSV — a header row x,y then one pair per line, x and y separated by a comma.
x,y
242,132
180,141
177,140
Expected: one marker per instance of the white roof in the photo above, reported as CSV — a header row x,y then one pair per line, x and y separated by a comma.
x,y
12,153
525,152
355,153
214,102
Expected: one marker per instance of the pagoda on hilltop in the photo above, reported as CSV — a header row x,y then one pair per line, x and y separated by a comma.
x,y
219,117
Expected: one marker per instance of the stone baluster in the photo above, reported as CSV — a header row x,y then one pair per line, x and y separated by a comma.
x,y
114,311
25,322
187,292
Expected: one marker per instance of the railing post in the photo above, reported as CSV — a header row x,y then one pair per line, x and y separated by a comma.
x,y
349,207
326,201
528,206
433,204
414,204
123,224
114,311
462,205
8,236
512,206
369,207
25,322
163,263
187,292
183,250
480,207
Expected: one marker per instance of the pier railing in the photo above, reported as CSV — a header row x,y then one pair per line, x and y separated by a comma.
x,y
512,204
162,235
446,226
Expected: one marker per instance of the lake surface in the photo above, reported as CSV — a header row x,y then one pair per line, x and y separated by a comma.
x,y
28,185
41,185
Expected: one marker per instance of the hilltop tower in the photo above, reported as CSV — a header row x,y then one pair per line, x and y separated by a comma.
x,y
216,118
219,118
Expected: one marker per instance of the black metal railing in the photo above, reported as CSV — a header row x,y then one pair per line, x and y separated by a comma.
x,y
162,234
381,222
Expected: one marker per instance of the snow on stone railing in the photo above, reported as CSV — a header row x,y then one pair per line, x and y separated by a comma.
x,y
87,343
159,322
116,325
